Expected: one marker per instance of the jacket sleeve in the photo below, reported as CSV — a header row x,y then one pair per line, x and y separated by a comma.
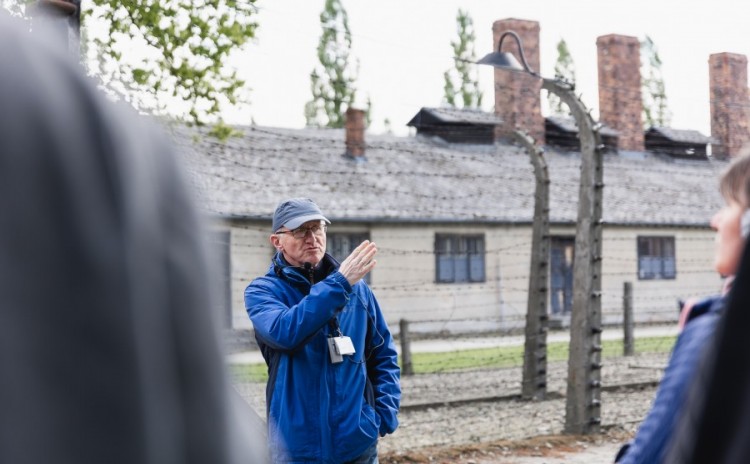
x,y
382,368
649,444
285,326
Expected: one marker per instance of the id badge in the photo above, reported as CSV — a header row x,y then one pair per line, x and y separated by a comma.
x,y
338,347
344,345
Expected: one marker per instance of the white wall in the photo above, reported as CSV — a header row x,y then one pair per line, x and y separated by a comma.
x,y
404,278
656,300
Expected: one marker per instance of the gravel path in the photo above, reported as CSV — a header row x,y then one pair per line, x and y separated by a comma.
x,y
431,419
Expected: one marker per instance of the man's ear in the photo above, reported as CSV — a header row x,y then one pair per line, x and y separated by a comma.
x,y
275,241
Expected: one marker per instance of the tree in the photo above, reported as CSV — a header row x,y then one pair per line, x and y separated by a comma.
x,y
332,82
565,70
167,57
462,80
13,6
655,109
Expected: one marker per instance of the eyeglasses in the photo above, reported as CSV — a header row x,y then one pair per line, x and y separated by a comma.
x,y
300,233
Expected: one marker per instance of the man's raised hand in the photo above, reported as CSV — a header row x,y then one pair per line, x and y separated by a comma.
x,y
359,262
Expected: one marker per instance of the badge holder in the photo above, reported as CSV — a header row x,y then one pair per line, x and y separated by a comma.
x,y
338,347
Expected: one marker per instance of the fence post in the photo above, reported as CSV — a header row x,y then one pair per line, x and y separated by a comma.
x,y
627,319
583,396
406,367
534,382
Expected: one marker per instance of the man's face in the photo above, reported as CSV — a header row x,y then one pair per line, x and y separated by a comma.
x,y
306,244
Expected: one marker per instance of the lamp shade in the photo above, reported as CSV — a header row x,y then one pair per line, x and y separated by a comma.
x,y
503,60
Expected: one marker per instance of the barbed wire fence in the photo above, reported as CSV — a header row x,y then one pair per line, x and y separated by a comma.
x,y
474,331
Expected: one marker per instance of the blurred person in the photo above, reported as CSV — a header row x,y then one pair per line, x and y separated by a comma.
x,y
107,348
715,421
732,225
333,376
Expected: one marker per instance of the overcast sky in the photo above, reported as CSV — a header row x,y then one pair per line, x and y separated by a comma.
x,y
403,48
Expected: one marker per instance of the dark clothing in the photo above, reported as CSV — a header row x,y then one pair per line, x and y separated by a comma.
x,y
649,444
320,411
715,424
108,350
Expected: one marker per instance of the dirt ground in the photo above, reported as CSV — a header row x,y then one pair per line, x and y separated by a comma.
x,y
551,449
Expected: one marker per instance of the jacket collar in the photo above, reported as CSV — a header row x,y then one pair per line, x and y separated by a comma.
x,y
300,277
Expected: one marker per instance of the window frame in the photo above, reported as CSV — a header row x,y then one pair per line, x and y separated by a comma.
x,y
660,250
220,246
462,249
355,238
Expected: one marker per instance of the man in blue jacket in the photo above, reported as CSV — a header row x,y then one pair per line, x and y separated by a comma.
x,y
333,375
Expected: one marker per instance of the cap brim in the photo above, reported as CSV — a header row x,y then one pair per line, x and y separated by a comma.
x,y
298,221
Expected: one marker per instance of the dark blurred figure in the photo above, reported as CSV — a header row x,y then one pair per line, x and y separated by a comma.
x,y
107,348
699,320
714,426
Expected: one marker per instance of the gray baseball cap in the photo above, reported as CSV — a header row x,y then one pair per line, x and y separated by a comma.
x,y
294,212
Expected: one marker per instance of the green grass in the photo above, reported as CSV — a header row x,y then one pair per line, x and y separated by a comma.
x,y
248,372
510,356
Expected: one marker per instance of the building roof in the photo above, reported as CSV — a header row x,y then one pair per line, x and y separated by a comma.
x,y
569,125
446,115
407,179
682,135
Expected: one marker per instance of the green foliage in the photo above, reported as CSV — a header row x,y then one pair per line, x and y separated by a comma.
x,y
222,131
187,44
166,57
14,7
564,70
461,80
653,91
332,82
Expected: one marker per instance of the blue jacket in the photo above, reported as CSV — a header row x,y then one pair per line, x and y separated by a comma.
x,y
319,411
649,444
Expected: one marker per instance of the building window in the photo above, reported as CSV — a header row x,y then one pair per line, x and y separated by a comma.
x,y
340,245
656,258
459,258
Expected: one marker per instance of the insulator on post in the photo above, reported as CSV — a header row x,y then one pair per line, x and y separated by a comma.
x,y
596,294
595,420
596,330
596,348
595,403
595,384
596,366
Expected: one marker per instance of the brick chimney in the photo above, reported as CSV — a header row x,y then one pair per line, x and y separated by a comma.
x,y
355,134
518,95
727,75
620,101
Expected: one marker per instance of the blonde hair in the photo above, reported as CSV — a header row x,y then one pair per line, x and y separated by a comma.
x,y
734,184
